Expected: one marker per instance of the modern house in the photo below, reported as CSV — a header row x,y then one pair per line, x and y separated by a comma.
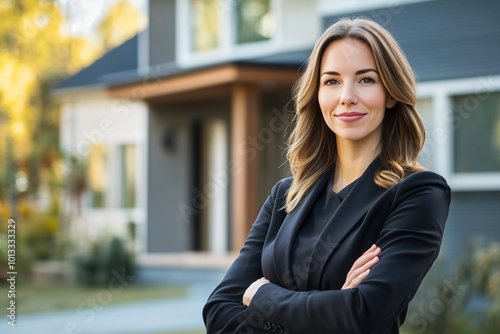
x,y
183,127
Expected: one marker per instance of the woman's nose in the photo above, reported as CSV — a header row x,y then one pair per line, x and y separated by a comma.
x,y
348,96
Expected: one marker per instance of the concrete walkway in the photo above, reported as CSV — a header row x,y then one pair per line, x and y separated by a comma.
x,y
145,317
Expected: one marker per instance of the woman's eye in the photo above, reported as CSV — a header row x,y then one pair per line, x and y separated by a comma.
x,y
367,80
331,82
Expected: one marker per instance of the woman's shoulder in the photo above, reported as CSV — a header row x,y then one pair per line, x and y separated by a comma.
x,y
424,177
281,187
417,182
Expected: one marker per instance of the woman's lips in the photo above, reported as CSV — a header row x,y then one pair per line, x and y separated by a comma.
x,y
350,117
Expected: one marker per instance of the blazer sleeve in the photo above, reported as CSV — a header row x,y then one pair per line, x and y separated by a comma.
x,y
410,241
224,311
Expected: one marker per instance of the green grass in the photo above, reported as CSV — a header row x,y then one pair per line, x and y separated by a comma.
x,y
36,298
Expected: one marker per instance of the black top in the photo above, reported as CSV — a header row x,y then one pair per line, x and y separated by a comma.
x,y
321,212
406,221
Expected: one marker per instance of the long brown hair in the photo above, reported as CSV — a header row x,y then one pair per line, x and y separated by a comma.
x,y
312,146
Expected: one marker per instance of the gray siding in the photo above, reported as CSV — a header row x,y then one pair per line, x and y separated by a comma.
x,y
474,218
161,31
444,39
168,184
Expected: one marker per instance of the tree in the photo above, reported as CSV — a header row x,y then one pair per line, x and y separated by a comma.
x,y
121,22
34,54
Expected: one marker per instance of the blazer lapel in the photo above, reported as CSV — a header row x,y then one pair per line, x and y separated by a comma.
x,y
285,238
361,197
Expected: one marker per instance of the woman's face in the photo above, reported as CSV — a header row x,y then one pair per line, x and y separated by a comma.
x,y
351,95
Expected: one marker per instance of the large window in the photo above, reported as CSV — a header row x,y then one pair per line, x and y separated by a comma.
x,y
97,175
476,129
219,24
254,20
205,22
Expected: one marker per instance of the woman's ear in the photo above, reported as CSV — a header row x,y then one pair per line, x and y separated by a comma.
x,y
391,102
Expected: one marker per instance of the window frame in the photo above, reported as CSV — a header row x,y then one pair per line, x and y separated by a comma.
x,y
228,49
442,93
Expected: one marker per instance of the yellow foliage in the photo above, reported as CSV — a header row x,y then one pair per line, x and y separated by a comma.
x,y
121,22
33,51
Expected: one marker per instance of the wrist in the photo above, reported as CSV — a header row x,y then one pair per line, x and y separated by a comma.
x,y
252,290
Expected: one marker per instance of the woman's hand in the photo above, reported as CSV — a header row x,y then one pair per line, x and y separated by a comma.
x,y
361,267
252,289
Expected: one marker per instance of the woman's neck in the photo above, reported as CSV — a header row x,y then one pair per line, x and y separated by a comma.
x,y
353,157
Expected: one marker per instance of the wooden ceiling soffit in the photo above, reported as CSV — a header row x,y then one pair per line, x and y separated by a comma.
x,y
203,79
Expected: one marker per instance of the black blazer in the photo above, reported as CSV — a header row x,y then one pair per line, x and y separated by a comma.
x,y
406,221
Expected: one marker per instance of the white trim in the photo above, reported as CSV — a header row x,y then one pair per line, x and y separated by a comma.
x,y
218,205
474,181
182,30
142,229
460,86
241,52
442,92
331,8
143,42
277,12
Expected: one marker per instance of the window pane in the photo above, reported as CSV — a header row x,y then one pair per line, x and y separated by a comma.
x,y
128,176
97,175
255,22
205,16
476,124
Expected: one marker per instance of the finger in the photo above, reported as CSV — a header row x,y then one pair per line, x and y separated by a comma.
x,y
363,268
372,248
363,259
367,257
355,282
359,271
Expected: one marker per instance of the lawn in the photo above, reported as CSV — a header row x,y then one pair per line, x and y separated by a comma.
x,y
37,298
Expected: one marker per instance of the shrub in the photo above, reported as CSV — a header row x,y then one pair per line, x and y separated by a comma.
x,y
95,266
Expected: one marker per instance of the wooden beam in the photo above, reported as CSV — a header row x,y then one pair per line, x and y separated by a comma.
x,y
245,117
177,84
207,78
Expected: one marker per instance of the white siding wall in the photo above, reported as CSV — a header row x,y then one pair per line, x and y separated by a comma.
x,y
91,118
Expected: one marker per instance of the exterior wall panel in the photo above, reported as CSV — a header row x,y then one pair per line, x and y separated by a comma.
x,y
161,31
443,39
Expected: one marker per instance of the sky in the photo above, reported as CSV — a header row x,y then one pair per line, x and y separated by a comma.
x,y
85,15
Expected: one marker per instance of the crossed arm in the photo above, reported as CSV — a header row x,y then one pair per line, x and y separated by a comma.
x,y
358,272
372,296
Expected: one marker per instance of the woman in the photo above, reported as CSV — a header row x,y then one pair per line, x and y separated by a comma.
x,y
342,246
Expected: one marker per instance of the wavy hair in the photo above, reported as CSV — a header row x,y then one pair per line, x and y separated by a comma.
x,y
312,145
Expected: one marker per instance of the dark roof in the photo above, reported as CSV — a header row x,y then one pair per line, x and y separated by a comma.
x,y
120,59
444,39
119,67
